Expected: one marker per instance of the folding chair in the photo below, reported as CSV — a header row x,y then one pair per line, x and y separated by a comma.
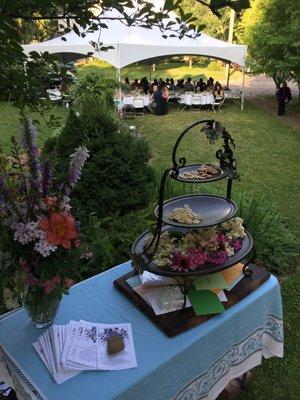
x,y
181,102
54,94
217,104
138,104
196,102
128,111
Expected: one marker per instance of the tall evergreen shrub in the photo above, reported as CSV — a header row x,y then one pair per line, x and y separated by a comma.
x,y
116,177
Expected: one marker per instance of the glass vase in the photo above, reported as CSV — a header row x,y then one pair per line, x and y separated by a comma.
x,y
41,307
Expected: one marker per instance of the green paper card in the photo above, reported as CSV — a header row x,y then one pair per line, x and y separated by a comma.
x,y
211,281
205,302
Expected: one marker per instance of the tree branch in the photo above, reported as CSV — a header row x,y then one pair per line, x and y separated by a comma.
x,y
214,11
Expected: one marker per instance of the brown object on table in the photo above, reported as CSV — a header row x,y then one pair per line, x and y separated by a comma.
x,y
115,344
180,321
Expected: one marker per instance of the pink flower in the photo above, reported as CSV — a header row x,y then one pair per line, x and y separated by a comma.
x,y
198,256
217,257
181,262
221,238
51,284
24,265
48,287
69,282
30,280
237,244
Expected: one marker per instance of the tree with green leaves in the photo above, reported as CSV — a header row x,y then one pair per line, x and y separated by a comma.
x,y
215,26
271,28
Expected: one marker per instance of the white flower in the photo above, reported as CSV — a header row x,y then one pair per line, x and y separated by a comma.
x,y
44,247
229,250
26,233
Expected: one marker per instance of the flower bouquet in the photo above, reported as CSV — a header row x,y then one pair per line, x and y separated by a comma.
x,y
39,235
186,252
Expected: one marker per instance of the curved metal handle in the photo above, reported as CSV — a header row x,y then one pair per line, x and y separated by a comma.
x,y
182,160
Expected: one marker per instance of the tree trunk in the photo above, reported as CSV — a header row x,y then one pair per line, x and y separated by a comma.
x,y
190,62
277,81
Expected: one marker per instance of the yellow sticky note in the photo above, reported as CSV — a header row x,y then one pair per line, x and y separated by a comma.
x,y
230,274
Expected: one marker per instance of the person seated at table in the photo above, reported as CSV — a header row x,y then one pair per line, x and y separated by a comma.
x,y
201,86
152,105
172,84
135,85
145,86
189,87
153,84
168,82
127,85
219,92
161,82
180,84
210,83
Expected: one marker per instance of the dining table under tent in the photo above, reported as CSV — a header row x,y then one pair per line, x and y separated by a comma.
x,y
130,44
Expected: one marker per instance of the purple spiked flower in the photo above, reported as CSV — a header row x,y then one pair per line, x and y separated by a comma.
x,y
77,162
46,178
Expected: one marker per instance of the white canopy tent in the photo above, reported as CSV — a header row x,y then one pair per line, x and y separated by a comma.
x,y
132,44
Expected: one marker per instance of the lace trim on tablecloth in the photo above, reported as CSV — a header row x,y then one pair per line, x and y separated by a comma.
x,y
241,357
22,386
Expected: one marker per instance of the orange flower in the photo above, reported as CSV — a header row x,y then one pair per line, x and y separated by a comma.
x,y
60,229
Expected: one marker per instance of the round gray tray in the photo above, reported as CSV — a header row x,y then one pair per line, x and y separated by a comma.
x,y
213,209
194,167
139,246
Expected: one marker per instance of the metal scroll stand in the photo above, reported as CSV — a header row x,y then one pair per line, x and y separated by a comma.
x,y
212,130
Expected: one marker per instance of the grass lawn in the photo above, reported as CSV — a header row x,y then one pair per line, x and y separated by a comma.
x,y
164,70
267,154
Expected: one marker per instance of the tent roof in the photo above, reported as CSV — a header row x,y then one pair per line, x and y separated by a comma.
x,y
132,44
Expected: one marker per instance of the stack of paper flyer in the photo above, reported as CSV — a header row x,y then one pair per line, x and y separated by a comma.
x,y
206,296
66,350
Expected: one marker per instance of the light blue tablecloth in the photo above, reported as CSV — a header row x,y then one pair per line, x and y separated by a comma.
x,y
194,365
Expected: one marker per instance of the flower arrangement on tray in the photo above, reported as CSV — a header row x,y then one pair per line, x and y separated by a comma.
x,y
39,234
185,252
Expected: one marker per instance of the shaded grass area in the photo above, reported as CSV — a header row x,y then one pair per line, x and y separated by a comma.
x,y
9,124
163,70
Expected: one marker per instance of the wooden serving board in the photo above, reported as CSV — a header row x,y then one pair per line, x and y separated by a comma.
x,y
179,321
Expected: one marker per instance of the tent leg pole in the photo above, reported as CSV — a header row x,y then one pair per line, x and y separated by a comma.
x,y
243,86
118,73
227,74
